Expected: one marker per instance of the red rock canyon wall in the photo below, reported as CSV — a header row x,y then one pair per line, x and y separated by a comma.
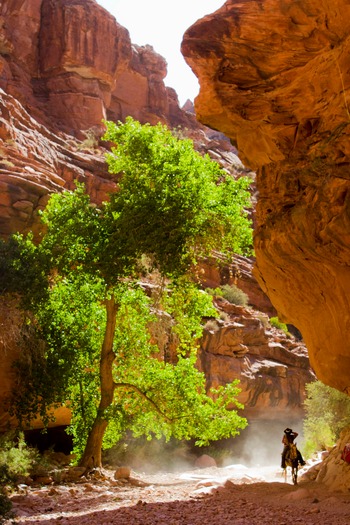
x,y
275,77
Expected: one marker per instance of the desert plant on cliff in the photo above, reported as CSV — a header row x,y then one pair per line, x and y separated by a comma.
x,y
234,295
214,292
90,142
173,206
276,323
327,413
231,293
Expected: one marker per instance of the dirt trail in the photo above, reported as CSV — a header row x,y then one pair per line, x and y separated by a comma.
x,y
234,495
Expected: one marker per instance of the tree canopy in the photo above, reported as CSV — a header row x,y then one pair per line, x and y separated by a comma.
x,y
104,353
327,414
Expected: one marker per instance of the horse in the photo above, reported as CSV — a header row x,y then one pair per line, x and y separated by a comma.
x,y
292,461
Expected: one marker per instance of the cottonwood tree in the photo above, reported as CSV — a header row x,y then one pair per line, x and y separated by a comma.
x,y
101,354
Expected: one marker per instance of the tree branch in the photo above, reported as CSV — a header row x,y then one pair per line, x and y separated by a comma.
x,y
145,396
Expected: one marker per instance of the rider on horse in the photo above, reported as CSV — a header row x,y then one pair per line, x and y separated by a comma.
x,y
287,440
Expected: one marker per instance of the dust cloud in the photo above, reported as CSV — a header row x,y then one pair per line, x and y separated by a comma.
x,y
257,446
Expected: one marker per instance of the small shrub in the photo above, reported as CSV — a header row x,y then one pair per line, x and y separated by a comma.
x,y
4,161
16,458
214,292
211,325
180,132
91,141
224,317
276,323
263,319
234,295
7,163
5,502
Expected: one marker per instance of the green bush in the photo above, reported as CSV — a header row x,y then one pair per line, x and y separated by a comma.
x,y
215,292
16,458
231,293
234,295
327,413
275,322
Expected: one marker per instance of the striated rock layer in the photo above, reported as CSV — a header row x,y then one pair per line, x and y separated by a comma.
x,y
70,62
65,66
273,368
275,77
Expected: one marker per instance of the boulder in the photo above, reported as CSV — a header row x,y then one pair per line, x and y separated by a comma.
x,y
75,473
334,471
122,473
205,461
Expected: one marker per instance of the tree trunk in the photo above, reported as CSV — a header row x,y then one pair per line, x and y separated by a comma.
x,y
92,457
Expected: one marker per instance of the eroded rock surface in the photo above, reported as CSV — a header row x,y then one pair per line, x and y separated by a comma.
x,y
35,162
334,472
275,77
73,64
70,64
272,367
65,66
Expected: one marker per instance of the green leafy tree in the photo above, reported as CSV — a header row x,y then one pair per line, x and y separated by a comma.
x,y
172,206
327,413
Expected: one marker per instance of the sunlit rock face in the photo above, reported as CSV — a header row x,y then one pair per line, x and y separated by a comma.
x,y
70,64
334,472
74,64
214,273
64,66
35,162
272,367
275,77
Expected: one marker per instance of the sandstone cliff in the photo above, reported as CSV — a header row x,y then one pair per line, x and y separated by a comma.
x,y
64,66
62,59
272,367
275,77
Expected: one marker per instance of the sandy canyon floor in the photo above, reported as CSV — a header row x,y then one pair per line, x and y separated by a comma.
x,y
234,495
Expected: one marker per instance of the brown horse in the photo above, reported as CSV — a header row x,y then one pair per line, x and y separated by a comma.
x,y
292,461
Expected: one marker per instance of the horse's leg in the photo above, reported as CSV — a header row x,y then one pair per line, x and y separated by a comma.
x,y
295,474
285,474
